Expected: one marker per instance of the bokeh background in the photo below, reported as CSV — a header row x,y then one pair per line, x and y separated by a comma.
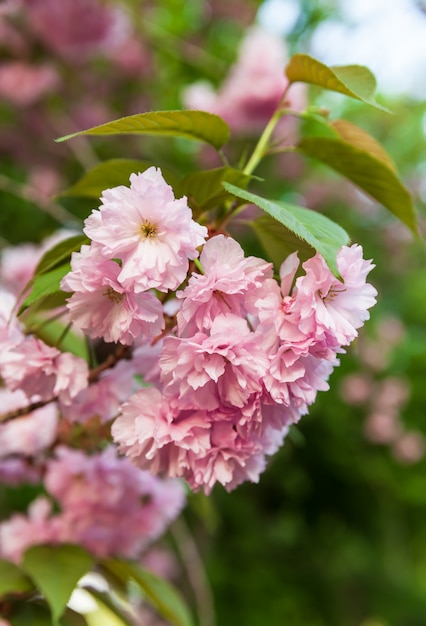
x,y
334,534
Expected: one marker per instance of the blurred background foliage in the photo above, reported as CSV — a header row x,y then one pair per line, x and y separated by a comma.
x,y
335,533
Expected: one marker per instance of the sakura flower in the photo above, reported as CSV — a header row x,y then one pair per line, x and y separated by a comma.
x,y
204,447
23,84
222,368
328,304
41,371
75,29
226,286
101,307
150,231
108,505
20,532
253,88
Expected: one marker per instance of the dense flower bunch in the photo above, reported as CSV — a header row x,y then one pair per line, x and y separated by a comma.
x,y
246,360
229,357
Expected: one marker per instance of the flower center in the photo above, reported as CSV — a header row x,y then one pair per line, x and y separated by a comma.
x,y
114,296
333,293
147,230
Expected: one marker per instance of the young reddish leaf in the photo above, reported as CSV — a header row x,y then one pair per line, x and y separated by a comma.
x,y
371,174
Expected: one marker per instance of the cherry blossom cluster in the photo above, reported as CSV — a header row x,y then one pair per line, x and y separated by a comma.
x,y
244,361
106,505
222,357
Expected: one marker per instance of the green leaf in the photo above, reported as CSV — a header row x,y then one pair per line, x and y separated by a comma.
x,y
316,229
355,81
60,253
206,189
34,613
195,125
12,579
278,241
158,592
359,138
55,570
52,332
112,173
46,284
372,174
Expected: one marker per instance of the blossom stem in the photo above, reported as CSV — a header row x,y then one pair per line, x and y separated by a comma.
x,y
262,145
122,352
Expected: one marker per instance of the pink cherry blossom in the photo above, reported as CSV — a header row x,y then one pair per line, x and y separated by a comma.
x,y
151,232
20,532
336,307
101,307
23,84
253,88
226,286
204,447
76,29
108,505
43,372
222,368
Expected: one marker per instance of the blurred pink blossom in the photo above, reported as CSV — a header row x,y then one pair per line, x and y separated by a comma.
x,y
76,29
22,84
382,427
356,388
254,86
410,447
30,434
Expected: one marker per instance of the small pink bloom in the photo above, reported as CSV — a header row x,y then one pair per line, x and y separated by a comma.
x,y
226,286
43,372
75,29
23,84
253,88
101,307
150,231
19,532
108,505
222,368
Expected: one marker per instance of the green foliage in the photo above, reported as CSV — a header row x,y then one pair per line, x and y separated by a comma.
x,y
318,231
59,253
355,81
46,284
195,125
56,570
205,189
278,241
12,580
111,173
158,592
372,174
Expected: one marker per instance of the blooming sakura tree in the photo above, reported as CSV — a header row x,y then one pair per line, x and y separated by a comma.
x,y
188,359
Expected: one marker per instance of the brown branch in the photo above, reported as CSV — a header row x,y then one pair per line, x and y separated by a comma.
x,y
122,352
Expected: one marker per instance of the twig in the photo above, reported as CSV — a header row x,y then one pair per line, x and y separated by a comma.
x,y
122,352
